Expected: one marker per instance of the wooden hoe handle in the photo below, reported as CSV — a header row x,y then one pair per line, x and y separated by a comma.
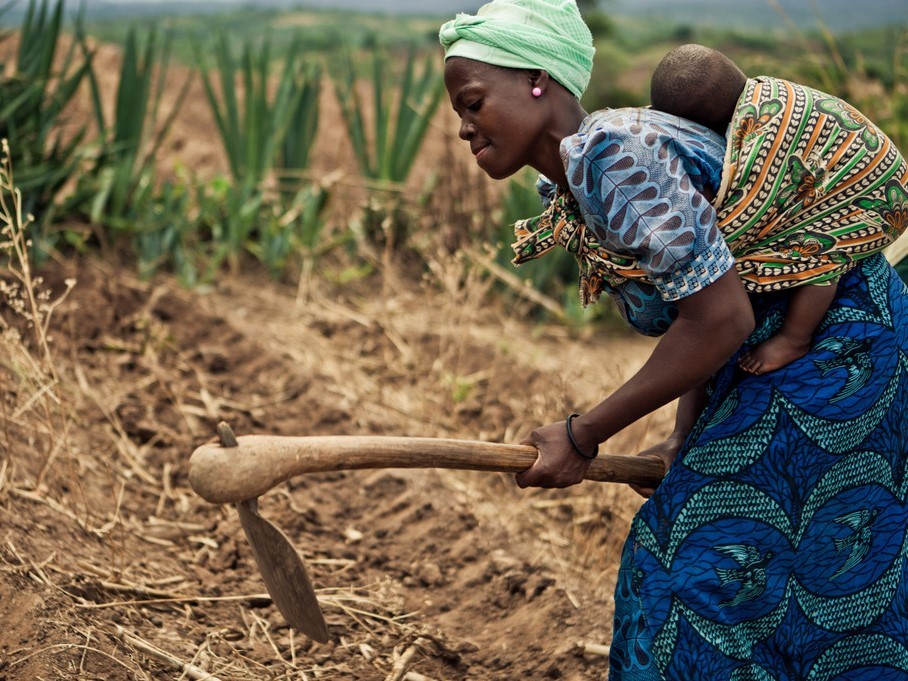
x,y
224,475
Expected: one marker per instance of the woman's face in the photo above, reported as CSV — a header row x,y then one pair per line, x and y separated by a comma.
x,y
497,114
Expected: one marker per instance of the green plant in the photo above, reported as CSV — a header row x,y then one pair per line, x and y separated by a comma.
x,y
607,88
33,98
167,234
252,123
402,108
262,133
462,387
291,228
879,92
228,213
400,115
551,274
555,274
191,227
119,186
302,125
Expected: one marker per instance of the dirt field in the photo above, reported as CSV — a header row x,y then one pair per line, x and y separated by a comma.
x,y
111,567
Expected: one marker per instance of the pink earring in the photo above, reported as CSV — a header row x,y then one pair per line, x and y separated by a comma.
x,y
537,92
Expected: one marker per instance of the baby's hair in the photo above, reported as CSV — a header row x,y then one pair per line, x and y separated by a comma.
x,y
697,83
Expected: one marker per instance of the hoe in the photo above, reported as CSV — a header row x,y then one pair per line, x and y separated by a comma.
x,y
239,470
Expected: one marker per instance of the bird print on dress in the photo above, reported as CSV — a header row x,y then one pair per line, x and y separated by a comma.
x,y
858,542
751,574
852,355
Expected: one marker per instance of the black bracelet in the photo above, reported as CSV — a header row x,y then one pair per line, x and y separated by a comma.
x,y
570,434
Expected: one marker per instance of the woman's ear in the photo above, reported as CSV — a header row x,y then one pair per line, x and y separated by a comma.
x,y
538,81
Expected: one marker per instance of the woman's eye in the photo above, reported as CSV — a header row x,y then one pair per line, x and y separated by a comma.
x,y
474,106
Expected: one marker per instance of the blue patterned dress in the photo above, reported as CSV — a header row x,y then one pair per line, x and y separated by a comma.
x,y
775,547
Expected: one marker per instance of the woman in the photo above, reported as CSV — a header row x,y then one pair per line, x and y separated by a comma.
x,y
773,549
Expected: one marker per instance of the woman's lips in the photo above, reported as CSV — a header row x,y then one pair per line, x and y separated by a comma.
x,y
480,151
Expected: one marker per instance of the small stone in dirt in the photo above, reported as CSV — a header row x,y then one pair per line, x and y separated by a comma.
x,y
352,535
500,562
553,672
429,574
537,584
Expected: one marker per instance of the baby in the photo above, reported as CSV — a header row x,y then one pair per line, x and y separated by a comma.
x,y
704,86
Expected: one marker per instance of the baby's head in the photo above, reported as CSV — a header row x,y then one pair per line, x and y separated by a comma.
x,y
698,83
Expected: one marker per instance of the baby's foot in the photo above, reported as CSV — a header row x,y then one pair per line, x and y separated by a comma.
x,y
772,354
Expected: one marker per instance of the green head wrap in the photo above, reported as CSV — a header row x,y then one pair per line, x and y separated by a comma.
x,y
526,34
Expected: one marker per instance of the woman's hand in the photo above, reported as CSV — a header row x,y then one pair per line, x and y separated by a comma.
x,y
665,451
557,464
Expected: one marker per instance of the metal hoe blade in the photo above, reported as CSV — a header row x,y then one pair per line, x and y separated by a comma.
x,y
280,565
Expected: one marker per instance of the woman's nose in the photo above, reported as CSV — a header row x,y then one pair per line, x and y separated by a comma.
x,y
467,129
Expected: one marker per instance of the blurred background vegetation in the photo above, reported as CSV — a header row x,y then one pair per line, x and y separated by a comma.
x,y
95,182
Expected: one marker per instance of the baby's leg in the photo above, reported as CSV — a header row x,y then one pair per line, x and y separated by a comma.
x,y
806,310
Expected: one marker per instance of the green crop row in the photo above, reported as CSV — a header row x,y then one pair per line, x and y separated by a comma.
x,y
97,185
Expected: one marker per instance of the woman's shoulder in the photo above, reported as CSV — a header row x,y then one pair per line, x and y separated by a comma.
x,y
641,127
647,134
637,120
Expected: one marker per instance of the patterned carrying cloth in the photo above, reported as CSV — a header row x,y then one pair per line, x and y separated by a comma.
x,y
809,188
562,224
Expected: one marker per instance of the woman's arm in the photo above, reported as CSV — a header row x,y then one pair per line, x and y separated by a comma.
x,y
711,325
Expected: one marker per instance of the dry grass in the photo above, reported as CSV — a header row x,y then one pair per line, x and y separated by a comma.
x,y
34,401
126,598
44,398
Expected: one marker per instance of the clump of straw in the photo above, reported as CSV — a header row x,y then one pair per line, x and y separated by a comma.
x,y
33,404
